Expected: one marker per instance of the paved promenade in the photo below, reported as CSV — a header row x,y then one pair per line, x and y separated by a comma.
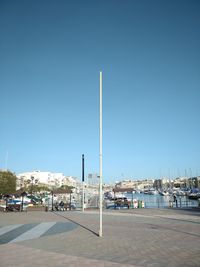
x,y
140,237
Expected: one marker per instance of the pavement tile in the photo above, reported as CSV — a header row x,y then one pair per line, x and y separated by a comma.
x,y
143,238
23,256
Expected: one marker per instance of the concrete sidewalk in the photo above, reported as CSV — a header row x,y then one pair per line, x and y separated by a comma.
x,y
142,237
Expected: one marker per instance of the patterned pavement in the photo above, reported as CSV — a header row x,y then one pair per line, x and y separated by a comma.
x,y
142,238
22,232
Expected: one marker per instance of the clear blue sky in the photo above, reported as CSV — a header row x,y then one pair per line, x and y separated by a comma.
x,y
51,53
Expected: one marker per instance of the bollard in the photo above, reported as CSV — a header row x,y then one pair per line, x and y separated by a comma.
x,y
170,204
158,203
143,204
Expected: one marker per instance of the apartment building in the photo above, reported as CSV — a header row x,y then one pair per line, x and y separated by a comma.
x,y
48,179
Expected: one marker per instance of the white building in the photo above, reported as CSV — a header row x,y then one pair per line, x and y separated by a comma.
x,y
44,178
70,181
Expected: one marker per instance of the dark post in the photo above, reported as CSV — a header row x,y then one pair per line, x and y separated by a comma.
x,y
22,202
52,200
83,175
23,194
70,207
7,196
158,202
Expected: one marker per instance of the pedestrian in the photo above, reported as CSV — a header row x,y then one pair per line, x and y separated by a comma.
x,y
61,205
175,200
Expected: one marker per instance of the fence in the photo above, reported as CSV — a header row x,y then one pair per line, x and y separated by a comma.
x,y
148,203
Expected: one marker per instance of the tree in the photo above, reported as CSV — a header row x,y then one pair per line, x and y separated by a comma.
x,y
37,188
67,187
7,182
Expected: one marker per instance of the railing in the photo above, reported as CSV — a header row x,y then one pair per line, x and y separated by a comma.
x,y
141,203
180,203
171,204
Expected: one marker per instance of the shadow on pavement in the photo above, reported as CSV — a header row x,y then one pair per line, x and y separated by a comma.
x,y
58,214
154,226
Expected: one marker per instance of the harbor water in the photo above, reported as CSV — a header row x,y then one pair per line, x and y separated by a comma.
x,y
159,201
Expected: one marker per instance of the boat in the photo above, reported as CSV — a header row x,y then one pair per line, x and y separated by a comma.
x,y
194,194
152,191
164,193
113,195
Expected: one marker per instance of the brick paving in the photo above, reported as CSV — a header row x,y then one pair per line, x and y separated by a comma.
x,y
142,238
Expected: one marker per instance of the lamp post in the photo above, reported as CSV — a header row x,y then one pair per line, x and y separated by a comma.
x,y
23,195
83,184
100,159
52,200
7,196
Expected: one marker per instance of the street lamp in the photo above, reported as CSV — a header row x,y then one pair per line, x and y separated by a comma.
x,y
7,197
23,194
52,201
83,184
100,158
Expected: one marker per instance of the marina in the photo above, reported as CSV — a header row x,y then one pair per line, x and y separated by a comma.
x,y
150,200
111,200
159,201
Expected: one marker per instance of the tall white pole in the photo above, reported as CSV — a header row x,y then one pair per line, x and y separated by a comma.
x,y
83,184
100,161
